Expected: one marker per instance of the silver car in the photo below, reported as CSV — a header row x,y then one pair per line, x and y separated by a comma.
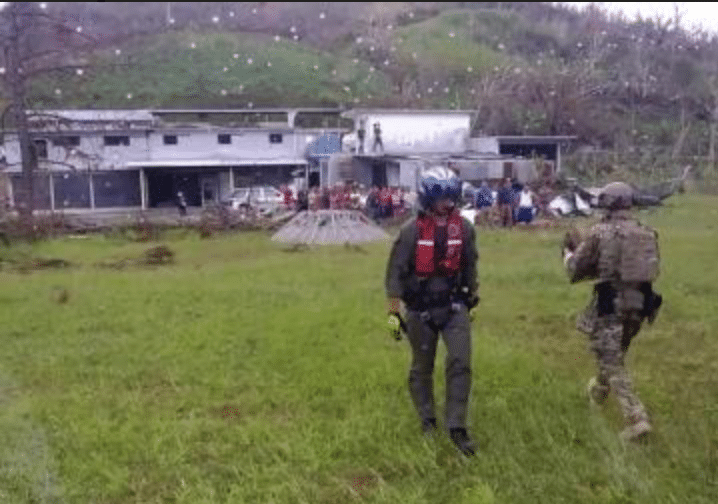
x,y
263,198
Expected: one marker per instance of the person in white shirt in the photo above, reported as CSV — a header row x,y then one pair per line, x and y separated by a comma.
x,y
525,212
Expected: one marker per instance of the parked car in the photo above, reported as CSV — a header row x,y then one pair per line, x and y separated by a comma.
x,y
264,198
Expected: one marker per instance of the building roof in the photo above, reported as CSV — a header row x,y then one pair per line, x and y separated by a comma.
x,y
204,162
95,115
529,139
356,112
454,156
247,110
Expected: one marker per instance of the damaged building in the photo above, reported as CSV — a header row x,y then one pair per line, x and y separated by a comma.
x,y
391,147
104,159
94,159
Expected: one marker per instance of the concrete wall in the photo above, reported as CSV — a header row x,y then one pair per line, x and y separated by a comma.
x,y
488,145
245,144
409,132
91,153
410,173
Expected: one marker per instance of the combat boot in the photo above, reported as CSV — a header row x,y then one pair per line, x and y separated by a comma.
x,y
597,393
463,442
637,430
428,426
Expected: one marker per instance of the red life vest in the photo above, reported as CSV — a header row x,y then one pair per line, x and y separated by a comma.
x,y
425,262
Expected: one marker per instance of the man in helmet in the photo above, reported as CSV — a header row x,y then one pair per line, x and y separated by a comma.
x,y
432,270
621,255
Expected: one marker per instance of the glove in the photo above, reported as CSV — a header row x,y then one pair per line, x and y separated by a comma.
x,y
395,326
567,255
472,302
571,240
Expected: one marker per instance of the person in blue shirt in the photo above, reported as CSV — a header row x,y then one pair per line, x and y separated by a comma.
x,y
483,201
505,199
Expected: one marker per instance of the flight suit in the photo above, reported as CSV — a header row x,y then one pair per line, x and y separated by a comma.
x,y
436,305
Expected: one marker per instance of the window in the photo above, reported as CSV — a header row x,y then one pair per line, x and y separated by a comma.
x,y
224,139
41,149
66,141
169,139
117,140
275,138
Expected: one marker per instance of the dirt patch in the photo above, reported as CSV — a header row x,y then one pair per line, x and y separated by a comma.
x,y
27,264
228,412
160,255
361,483
60,295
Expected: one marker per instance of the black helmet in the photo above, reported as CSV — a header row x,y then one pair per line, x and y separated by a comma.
x,y
616,196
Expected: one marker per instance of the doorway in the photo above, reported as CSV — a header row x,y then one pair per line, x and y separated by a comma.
x,y
210,189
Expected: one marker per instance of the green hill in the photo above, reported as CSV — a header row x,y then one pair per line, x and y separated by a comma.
x,y
526,68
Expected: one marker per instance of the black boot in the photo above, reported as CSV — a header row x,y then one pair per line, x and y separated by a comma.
x,y
428,425
463,442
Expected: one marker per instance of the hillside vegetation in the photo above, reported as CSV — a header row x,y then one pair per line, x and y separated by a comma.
x,y
525,68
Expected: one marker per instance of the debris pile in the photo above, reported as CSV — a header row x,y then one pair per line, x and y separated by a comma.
x,y
328,227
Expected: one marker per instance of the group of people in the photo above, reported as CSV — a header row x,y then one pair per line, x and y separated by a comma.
x,y
432,288
385,202
378,202
514,203
336,197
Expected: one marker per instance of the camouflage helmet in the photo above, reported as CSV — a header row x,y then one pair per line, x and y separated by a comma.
x,y
616,196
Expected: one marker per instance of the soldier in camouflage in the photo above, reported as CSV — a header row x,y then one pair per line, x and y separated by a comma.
x,y
622,256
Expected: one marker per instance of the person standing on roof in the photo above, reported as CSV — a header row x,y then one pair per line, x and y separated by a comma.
x,y
377,138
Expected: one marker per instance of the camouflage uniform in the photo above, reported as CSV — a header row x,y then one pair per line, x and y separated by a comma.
x,y
617,308
436,305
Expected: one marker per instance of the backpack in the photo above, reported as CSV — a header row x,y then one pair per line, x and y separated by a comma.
x,y
629,253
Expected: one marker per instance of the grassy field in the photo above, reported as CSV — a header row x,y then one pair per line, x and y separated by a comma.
x,y
247,374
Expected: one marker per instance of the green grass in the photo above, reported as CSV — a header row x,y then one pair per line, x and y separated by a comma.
x,y
244,373
433,42
167,71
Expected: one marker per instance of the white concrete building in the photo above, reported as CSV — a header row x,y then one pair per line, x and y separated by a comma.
x,y
411,140
142,158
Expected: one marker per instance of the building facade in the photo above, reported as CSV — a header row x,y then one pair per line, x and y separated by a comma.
x,y
90,159
97,159
392,147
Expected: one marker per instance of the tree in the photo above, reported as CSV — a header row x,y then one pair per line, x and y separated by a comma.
x,y
33,43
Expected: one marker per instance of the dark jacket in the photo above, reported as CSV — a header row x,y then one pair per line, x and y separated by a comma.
x,y
505,196
402,282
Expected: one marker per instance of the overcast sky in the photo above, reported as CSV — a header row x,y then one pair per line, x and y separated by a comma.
x,y
702,14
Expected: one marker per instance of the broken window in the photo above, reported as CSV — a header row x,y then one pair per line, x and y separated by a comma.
x,y
66,141
41,149
117,140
